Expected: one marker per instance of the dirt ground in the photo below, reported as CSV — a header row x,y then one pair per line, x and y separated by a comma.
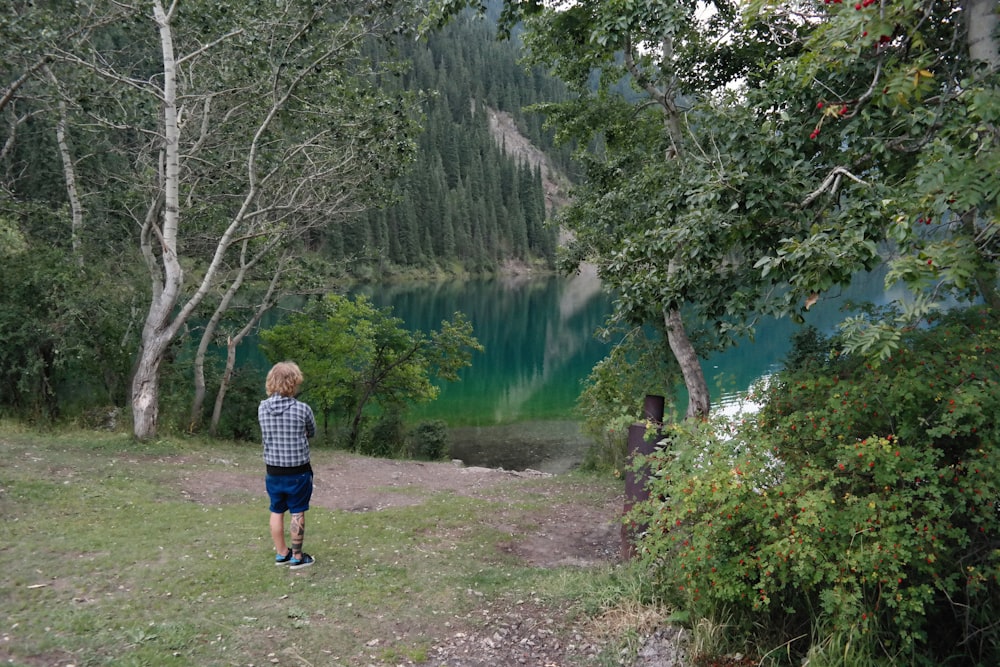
x,y
502,631
565,534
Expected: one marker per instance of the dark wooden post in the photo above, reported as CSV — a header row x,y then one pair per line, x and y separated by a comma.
x,y
635,481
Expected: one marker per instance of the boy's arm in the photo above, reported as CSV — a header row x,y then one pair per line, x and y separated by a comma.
x,y
310,422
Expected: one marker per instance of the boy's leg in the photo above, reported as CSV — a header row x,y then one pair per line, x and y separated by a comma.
x,y
278,532
298,533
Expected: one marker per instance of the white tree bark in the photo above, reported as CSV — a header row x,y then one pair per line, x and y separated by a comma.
x,y
69,174
246,264
287,182
982,21
265,305
168,276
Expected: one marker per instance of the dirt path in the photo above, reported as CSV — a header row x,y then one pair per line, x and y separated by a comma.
x,y
563,532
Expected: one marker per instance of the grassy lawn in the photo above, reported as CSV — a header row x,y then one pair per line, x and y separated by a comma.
x,y
109,557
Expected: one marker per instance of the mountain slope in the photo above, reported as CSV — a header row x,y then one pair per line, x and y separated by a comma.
x,y
486,176
554,181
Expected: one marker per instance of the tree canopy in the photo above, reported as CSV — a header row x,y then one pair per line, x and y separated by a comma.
x,y
753,159
357,357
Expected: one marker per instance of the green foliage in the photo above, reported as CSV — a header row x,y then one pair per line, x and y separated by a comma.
x,y
809,349
65,341
899,101
863,134
318,340
613,393
386,437
357,358
239,420
11,239
858,507
429,440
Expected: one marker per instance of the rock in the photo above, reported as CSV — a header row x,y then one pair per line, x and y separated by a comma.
x,y
666,647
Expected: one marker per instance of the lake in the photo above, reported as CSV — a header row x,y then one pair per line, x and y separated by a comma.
x,y
514,407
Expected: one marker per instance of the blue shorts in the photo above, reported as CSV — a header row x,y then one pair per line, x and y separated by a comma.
x,y
289,493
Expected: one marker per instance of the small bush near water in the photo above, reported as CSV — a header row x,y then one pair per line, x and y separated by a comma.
x,y
854,519
429,440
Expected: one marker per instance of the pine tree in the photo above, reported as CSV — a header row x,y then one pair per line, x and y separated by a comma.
x,y
464,198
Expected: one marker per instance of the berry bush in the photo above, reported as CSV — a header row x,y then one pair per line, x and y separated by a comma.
x,y
853,519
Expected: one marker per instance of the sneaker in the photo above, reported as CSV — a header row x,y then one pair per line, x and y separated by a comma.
x,y
283,560
297,563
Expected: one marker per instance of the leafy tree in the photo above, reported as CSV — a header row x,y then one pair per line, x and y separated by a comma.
x,y
247,128
429,440
904,102
746,174
356,357
663,206
64,341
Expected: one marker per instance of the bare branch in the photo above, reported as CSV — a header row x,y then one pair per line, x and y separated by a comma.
x,y
198,52
8,93
108,73
830,183
12,134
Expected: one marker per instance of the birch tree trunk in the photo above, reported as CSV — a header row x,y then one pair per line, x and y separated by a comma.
x,y
300,138
211,327
167,276
984,47
232,343
69,175
983,18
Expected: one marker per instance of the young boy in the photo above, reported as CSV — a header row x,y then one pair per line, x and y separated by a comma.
x,y
286,424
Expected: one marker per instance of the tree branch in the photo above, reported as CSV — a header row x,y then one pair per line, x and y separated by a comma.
x,y
831,183
8,93
198,52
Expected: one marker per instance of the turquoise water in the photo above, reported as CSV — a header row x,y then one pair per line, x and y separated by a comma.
x,y
514,407
539,343
538,340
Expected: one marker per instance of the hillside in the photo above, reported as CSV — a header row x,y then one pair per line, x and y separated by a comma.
x,y
554,181
486,175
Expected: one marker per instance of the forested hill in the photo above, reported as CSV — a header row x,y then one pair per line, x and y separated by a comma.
x,y
486,172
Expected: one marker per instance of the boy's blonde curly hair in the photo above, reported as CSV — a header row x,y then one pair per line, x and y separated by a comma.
x,y
284,378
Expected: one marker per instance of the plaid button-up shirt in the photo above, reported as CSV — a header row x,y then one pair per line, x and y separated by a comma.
x,y
286,424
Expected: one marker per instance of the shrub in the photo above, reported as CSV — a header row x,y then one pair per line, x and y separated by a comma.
x,y
612,396
429,440
857,508
386,438
238,420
